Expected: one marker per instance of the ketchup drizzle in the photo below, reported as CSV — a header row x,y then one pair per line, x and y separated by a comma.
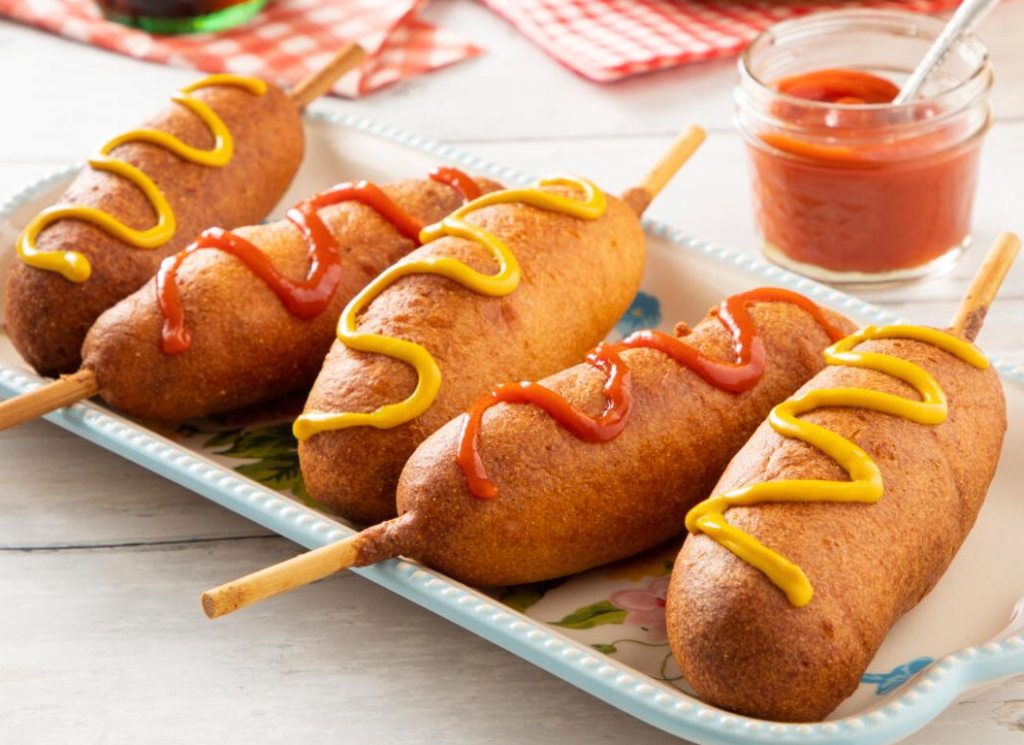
x,y
458,180
734,377
310,296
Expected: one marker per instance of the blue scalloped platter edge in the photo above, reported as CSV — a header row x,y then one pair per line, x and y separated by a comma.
x,y
924,698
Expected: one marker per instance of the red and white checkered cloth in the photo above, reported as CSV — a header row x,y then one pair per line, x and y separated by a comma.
x,y
287,41
607,40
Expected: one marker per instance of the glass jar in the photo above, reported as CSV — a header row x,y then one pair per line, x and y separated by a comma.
x,y
180,16
863,193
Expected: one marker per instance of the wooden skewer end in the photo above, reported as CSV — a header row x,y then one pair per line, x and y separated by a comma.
x,y
279,578
680,151
66,390
970,315
321,81
382,541
211,607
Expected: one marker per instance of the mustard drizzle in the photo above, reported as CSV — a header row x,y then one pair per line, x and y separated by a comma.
x,y
865,484
73,265
502,283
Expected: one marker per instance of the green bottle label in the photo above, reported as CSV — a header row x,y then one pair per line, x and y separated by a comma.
x,y
229,17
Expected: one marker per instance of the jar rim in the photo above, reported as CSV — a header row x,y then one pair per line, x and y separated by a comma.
x,y
915,21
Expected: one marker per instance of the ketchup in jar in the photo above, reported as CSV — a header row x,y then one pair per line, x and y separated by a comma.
x,y
849,187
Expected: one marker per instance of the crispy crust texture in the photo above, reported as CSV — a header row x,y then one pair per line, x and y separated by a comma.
x,y
565,505
738,641
47,316
579,276
246,346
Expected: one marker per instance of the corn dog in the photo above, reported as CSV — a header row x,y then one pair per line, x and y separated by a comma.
x,y
223,154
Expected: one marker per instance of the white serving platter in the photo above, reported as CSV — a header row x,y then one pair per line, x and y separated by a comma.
x,y
603,630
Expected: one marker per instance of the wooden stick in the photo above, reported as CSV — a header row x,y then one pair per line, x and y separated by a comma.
x,y
685,145
973,308
672,160
288,575
66,390
321,81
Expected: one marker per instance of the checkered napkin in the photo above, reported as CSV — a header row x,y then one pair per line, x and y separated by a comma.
x,y
607,40
289,40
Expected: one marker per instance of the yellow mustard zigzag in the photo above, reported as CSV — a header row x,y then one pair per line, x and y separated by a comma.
x,y
865,484
504,282
73,265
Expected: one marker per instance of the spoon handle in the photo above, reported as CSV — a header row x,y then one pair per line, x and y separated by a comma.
x,y
963,22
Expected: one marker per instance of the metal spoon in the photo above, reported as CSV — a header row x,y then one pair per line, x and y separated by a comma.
x,y
963,22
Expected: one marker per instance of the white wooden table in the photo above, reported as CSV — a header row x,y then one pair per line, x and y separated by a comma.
x,y
101,562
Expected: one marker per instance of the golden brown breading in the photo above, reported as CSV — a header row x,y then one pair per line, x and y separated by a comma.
x,y
565,505
47,316
246,345
579,277
738,641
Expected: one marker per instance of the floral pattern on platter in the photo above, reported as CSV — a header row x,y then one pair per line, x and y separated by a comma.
x,y
643,313
627,620
642,608
645,607
262,436
896,677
